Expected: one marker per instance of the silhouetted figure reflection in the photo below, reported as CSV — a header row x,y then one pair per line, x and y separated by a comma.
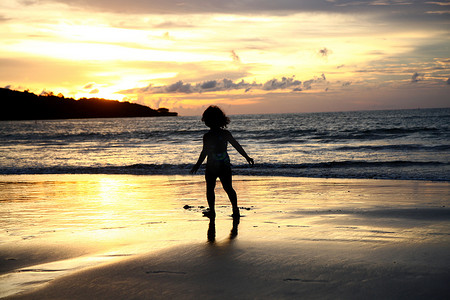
x,y
234,230
215,143
212,230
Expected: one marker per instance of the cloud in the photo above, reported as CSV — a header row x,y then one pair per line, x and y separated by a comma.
x,y
209,84
4,19
29,2
253,6
439,3
178,87
173,24
187,88
416,77
46,93
235,57
307,85
285,83
439,12
324,52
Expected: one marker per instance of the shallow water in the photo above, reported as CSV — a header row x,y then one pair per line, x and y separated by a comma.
x,y
52,225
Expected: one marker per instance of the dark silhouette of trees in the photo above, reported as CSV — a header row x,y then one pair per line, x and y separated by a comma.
x,y
15,105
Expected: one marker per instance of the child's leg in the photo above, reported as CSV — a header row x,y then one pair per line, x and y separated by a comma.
x,y
228,187
210,195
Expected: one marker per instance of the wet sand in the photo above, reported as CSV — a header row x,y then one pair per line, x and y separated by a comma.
x,y
144,237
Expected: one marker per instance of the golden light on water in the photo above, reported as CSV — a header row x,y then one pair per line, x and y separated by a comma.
x,y
62,224
136,210
109,191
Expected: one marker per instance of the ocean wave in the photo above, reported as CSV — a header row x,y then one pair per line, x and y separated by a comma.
x,y
377,134
408,144
335,135
398,147
353,164
273,136
70,137
429,170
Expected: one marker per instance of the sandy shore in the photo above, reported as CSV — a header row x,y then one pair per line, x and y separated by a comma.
x,y
144,237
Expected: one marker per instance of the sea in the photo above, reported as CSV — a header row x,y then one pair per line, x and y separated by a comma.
x,y
394,144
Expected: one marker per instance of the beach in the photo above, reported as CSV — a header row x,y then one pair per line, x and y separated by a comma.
x,y
327,123
144,237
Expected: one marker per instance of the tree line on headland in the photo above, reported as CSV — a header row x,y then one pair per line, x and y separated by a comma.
x,y
16,105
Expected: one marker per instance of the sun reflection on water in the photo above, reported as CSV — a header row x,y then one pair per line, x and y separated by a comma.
x,y
109,189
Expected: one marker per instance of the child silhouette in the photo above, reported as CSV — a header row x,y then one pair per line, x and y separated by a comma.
x,y
215,143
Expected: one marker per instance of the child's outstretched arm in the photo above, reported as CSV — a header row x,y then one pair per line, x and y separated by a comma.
x,y
239,149
200,160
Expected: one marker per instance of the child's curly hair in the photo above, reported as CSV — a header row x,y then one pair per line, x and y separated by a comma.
x,y
214,117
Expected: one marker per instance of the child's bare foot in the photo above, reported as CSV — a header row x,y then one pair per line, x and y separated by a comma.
x,y
209,214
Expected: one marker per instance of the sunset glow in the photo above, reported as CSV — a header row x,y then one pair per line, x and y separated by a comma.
x,y
252,57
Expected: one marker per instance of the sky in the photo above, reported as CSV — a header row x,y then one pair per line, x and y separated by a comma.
x,y
249,56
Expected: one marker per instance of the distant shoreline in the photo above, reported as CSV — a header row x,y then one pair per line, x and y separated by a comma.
x,y
16,105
